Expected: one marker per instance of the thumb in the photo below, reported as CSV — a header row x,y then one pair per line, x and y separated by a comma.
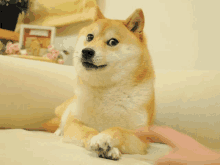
x,y
161,134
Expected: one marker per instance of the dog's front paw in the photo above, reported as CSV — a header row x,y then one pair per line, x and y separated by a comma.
x,y
103,145
58,132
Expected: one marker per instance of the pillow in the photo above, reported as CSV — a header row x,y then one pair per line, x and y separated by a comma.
x,y
189,101
31,90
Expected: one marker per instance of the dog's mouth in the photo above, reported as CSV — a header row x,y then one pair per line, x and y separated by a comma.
x,y
90,65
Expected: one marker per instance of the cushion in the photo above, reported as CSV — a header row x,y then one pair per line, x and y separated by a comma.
x,y
31,90
189,101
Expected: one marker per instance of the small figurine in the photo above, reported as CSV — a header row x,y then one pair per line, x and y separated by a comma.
x,y
35,47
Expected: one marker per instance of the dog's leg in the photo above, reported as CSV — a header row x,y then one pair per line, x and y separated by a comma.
x,y
72,129
112,142
78,133
63,112
59,131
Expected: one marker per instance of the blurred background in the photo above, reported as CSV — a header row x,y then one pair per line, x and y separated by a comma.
x,y
181,34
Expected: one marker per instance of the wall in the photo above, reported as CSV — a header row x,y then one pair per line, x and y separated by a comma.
x,y
182,34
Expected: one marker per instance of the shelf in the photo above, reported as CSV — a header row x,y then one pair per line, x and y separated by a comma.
x,y
9,35
33,58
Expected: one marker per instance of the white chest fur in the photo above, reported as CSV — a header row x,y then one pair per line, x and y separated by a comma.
x,y
121,106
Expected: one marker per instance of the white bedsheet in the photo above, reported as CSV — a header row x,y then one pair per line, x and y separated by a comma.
x,y
21,147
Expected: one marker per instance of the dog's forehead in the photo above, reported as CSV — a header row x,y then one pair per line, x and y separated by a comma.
x,y
107,27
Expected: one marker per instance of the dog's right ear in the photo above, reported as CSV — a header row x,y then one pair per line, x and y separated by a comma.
x,y
135,22
98,14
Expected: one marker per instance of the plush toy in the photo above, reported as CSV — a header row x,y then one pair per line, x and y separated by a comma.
x,y
12,48
56,55
62,56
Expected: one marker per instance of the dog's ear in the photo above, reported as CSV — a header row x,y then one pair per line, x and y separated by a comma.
x,y
135,22
98,14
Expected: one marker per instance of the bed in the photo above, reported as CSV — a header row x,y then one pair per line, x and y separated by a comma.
x,y
186,100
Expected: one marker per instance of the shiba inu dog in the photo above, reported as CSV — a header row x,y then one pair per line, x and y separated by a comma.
x,y
114,92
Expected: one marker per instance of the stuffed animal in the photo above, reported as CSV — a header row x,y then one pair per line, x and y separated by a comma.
x,y
35,47
12,48
62,56
56,55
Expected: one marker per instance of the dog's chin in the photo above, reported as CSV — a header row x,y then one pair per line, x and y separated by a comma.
x,y
91,66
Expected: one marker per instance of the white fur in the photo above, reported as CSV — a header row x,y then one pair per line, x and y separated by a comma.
x,y
59,131
119,63
104,145
118,106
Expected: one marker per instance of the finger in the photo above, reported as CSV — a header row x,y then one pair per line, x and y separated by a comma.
x,y
144,136
162,133
148,138
174,138
155,134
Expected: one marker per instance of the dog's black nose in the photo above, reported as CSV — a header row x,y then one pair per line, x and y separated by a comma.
x,y
88,53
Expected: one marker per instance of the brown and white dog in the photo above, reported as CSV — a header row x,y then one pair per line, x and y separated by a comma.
x,y
114,94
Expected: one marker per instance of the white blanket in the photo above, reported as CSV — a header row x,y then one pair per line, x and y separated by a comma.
x,y
21,147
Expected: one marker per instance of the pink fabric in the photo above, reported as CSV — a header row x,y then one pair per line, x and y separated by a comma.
x,y
12,48
60,61
53,53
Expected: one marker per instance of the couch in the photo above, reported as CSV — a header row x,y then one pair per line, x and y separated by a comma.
x,y
186,100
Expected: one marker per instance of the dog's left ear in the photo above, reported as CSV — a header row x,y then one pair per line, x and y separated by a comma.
x,y
98,14
135,22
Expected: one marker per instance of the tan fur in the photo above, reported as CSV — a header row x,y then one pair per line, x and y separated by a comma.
x,y
150,107
75,128
51,125
60,109
97,90
126,145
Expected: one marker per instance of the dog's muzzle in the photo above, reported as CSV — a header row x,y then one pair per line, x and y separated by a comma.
x,y
88,53
87,62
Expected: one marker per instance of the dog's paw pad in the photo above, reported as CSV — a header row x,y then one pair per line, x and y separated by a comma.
x,y
114,154
102,144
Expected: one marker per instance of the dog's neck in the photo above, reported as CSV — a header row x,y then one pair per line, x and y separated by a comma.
x,y
103,85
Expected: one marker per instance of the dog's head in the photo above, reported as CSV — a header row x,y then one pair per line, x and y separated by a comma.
x,y
109,50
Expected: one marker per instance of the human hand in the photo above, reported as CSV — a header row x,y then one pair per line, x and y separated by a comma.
x,y
185,150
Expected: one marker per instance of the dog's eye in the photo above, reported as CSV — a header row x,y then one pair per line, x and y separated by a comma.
x,y
89,37
112,42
